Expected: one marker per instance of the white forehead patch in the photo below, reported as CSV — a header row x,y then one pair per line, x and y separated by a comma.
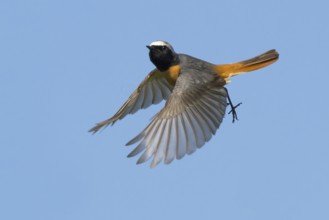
x,y
162,43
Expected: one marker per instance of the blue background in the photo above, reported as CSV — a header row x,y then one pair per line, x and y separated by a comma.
x,y
65,65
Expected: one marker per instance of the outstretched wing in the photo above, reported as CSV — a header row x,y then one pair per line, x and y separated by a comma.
x,y
190,117
156,87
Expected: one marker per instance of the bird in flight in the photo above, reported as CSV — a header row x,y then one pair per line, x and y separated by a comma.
x,y
196,100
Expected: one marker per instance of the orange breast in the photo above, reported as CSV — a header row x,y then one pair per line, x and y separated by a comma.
x,y
173,73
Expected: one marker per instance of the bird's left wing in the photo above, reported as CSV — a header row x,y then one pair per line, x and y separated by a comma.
x,y
190,117
156,87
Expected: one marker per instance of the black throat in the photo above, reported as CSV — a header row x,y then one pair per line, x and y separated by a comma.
x,y
163,58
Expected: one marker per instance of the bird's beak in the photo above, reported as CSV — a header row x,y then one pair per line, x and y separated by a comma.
x,y
149,47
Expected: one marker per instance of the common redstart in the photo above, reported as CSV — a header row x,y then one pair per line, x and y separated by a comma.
x,y
196,100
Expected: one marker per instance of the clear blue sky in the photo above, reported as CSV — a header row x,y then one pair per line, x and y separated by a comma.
x,y
66,65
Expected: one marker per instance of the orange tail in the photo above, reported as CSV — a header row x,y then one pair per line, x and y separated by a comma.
x,y
228,70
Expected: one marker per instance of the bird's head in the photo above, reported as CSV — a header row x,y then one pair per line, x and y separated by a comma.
x,y
162,55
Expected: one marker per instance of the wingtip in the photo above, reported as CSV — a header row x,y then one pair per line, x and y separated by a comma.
x,y
135,139
96,128
93,130
154,163
99,126
152,166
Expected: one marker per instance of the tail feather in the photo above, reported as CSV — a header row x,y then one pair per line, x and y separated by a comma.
x,y
228,70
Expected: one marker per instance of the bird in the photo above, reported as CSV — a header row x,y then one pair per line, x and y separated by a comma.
x,y
196,101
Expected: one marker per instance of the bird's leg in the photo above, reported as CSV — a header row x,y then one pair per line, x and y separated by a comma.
x,y
233,107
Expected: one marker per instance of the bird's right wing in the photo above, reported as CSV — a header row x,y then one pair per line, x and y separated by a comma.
x,y
190,117
157,86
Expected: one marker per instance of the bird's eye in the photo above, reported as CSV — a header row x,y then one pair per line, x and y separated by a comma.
x,y
162,47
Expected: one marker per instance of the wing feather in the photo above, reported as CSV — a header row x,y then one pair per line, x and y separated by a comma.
x,y
189,119
157,86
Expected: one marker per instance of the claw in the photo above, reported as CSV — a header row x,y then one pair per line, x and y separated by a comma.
x,y
233,107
